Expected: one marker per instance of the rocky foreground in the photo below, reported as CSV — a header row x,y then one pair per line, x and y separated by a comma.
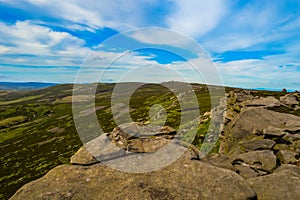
x,y
258,158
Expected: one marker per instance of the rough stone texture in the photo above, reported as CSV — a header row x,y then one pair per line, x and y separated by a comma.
x,y
219,160
290,167
255,119
184,179
281,185
287,157
255,144
273,131
240,97
146,145
289,99
83,157
291,137
293,129
264,159
246,171
278,147
137,138
264,102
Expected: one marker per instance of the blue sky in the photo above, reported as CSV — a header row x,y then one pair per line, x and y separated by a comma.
x,y
253,44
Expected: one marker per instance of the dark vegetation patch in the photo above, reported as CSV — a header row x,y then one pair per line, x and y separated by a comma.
x,y
286,109
38,131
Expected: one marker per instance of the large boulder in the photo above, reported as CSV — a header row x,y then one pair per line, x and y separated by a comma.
x,y
256,121
289,99
263,102
135,137
282,185
183,179
263,160
290,167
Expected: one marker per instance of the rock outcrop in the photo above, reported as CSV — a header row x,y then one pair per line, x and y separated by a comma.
x,y
184,179
281,185
258,158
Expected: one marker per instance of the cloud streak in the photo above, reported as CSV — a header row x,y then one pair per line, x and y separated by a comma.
x,y
60,34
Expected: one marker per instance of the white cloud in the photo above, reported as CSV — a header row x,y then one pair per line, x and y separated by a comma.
x,y
3,49
121,14
161,36
252,73
46,45
196,17
252,25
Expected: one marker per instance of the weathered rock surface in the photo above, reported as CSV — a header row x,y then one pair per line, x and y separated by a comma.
x,y
289,167
287,157
219,160
273,132
263,101
83,157
258,120
246,171
257,144
264,159
134,137
289,99
281,185
184,179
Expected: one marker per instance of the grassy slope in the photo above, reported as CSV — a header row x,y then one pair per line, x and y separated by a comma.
x,y
37,131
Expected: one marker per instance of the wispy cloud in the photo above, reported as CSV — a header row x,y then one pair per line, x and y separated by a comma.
x,y
196,17
25,42
254,43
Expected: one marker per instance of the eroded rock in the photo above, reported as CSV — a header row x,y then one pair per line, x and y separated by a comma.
x,y
277,186
289,99
83,157
265,159
246,171
184,179
287,157
257,144
263,102
273,131
289,167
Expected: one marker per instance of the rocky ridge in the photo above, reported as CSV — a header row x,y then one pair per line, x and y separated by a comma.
x,y
258,158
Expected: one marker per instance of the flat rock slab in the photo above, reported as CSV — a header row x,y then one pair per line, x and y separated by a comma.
x,y
277,186
184,179
252,145
273,131
263,101
258,119
290,167
293,129
264,159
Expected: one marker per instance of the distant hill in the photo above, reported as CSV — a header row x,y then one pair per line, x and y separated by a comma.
x,y
24,85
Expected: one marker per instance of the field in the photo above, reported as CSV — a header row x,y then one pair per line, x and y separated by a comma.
x,y
37,130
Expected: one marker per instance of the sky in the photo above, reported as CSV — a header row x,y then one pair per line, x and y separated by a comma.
x,y
252,44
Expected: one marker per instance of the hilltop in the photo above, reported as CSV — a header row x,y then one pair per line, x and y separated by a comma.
x,y
258,145
24,85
